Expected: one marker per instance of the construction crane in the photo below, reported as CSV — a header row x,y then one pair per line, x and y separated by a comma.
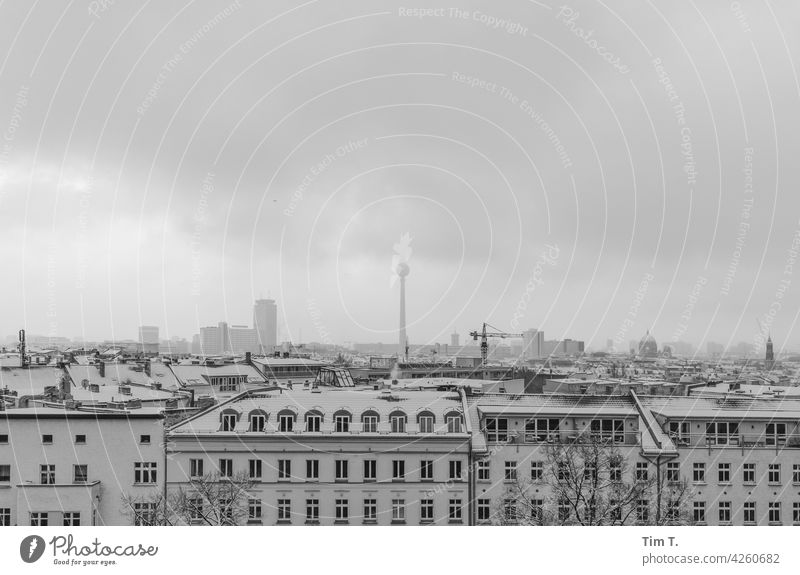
x,y
483,334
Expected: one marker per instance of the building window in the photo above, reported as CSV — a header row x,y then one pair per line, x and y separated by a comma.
x,y
72,519
426,510
228,422
340,466
285,423
796,512
258,422
195,468
144,514
255,468
398,510
5,517
775,512
541,430
774,473
4,438
453,424
776,434
312,510
144,439
226,467
484,509
608,430
5,473
615,471
370,470
341,510
426,424
615,511
312,469
455,469
370,423
564,510
679,432
749,472
722,433
313,423
673,510
699,511
398,423
590,472
80,439
749,508
284,510
510,471
483,470
537,511
724,511
537,470
724,472
254,510
642,510
48,474
195,505
562,471
284,469
370,510
496,429
510,511
48,438
673,472
796,473
341,423
699,472
39,519
453,510
398,470
641,471
80,473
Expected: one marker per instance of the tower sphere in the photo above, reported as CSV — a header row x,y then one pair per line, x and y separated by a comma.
x,y
402,269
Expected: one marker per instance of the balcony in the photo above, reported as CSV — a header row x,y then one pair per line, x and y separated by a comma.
x,y
741,441
568,437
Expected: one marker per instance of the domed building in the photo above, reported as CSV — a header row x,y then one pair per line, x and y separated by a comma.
x,y
648,346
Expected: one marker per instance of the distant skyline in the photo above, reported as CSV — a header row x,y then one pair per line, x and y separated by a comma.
x,y
166,165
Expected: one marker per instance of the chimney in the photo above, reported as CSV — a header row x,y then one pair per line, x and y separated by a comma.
x,y
248,358
147,367
65,385
101,366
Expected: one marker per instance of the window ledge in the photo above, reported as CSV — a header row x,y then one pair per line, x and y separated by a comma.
x,y
369,522
283,522
312,521
776,523
341,522
455,522
398,521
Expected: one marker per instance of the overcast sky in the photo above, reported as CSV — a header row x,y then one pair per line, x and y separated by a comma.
x,y
592,169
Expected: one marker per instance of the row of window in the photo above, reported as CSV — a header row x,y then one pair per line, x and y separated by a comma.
x,y
257,422
512,510
724,473
541,429
80,439
641,472
42,519
144,513
341,468
143,472
728,433
748,512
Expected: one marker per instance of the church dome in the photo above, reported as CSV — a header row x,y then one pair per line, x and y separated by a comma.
x,y
648,347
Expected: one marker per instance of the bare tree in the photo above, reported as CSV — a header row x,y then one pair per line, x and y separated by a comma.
x,y
208,500
588,482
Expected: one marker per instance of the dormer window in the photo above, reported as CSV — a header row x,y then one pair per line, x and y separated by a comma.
x,y
398,422
228,422
258,422
426,422
453,423
313,422
285,423
341,423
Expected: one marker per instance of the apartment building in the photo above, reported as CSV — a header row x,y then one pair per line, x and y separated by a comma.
x,y
734,461
333,457
75,466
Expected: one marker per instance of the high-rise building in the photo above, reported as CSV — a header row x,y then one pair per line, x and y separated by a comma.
x,y
148,338
454,339
215,340
243,339
532,344
265,322
769,359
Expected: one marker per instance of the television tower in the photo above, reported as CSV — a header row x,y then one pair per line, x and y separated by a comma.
x,y
402,270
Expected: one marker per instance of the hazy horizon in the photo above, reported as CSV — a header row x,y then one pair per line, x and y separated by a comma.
x,y
167,165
